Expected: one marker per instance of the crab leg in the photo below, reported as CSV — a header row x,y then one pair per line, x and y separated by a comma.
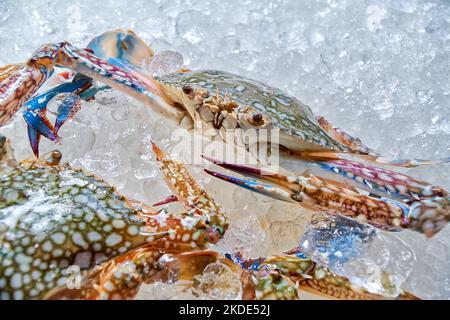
x,y
86,63
360,150
310,276
405,163
429,216
121,47
202,223
121,278
18,84
116,279
264,285
343,137
378,180
169,199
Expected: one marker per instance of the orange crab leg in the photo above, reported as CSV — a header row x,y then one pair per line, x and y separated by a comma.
x,y
121,278
203,222
17,84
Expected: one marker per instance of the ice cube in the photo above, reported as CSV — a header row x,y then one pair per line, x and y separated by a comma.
x,y
377,261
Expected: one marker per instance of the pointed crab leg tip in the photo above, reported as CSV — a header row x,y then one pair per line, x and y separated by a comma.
x,y
239,168
212,160
169,199
158,152
215,174
57,127
264,189
56,139
237,181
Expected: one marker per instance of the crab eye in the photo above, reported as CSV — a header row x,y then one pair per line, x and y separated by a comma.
x,y
56,154
187,89
252,118
257,118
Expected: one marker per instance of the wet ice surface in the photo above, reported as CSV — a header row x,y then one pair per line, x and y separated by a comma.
x,y
377,261
378,69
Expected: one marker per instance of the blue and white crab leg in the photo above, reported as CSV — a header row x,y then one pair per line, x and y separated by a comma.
x,y
376,180
148,92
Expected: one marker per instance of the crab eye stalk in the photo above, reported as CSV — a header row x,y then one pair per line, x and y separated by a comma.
x,y
53,158
56,155
252,118
297,197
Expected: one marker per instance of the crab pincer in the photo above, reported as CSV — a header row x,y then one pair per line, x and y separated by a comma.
x,y
427,215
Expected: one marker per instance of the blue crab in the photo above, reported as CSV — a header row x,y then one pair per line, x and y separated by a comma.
x,y
54,218
328,157
219,99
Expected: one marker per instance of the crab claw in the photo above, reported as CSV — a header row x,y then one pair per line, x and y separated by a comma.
x,y
316,194
67,109
280,188
35,110
34,137
37,120
261,188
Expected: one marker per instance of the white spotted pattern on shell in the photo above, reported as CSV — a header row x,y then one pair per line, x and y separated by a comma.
x,y
284,111
52,217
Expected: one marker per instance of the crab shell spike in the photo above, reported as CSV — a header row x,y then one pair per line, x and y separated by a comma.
x,y
167,200
344,138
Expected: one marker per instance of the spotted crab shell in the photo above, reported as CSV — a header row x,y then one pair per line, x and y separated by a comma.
x,y
299,130
54,219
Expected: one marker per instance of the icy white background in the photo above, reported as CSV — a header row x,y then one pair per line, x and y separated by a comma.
x,y
378,69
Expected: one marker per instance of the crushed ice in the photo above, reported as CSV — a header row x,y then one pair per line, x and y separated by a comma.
x,y
378,69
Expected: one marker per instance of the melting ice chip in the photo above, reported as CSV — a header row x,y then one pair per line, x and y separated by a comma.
x,y
164,62
376,260
337,239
